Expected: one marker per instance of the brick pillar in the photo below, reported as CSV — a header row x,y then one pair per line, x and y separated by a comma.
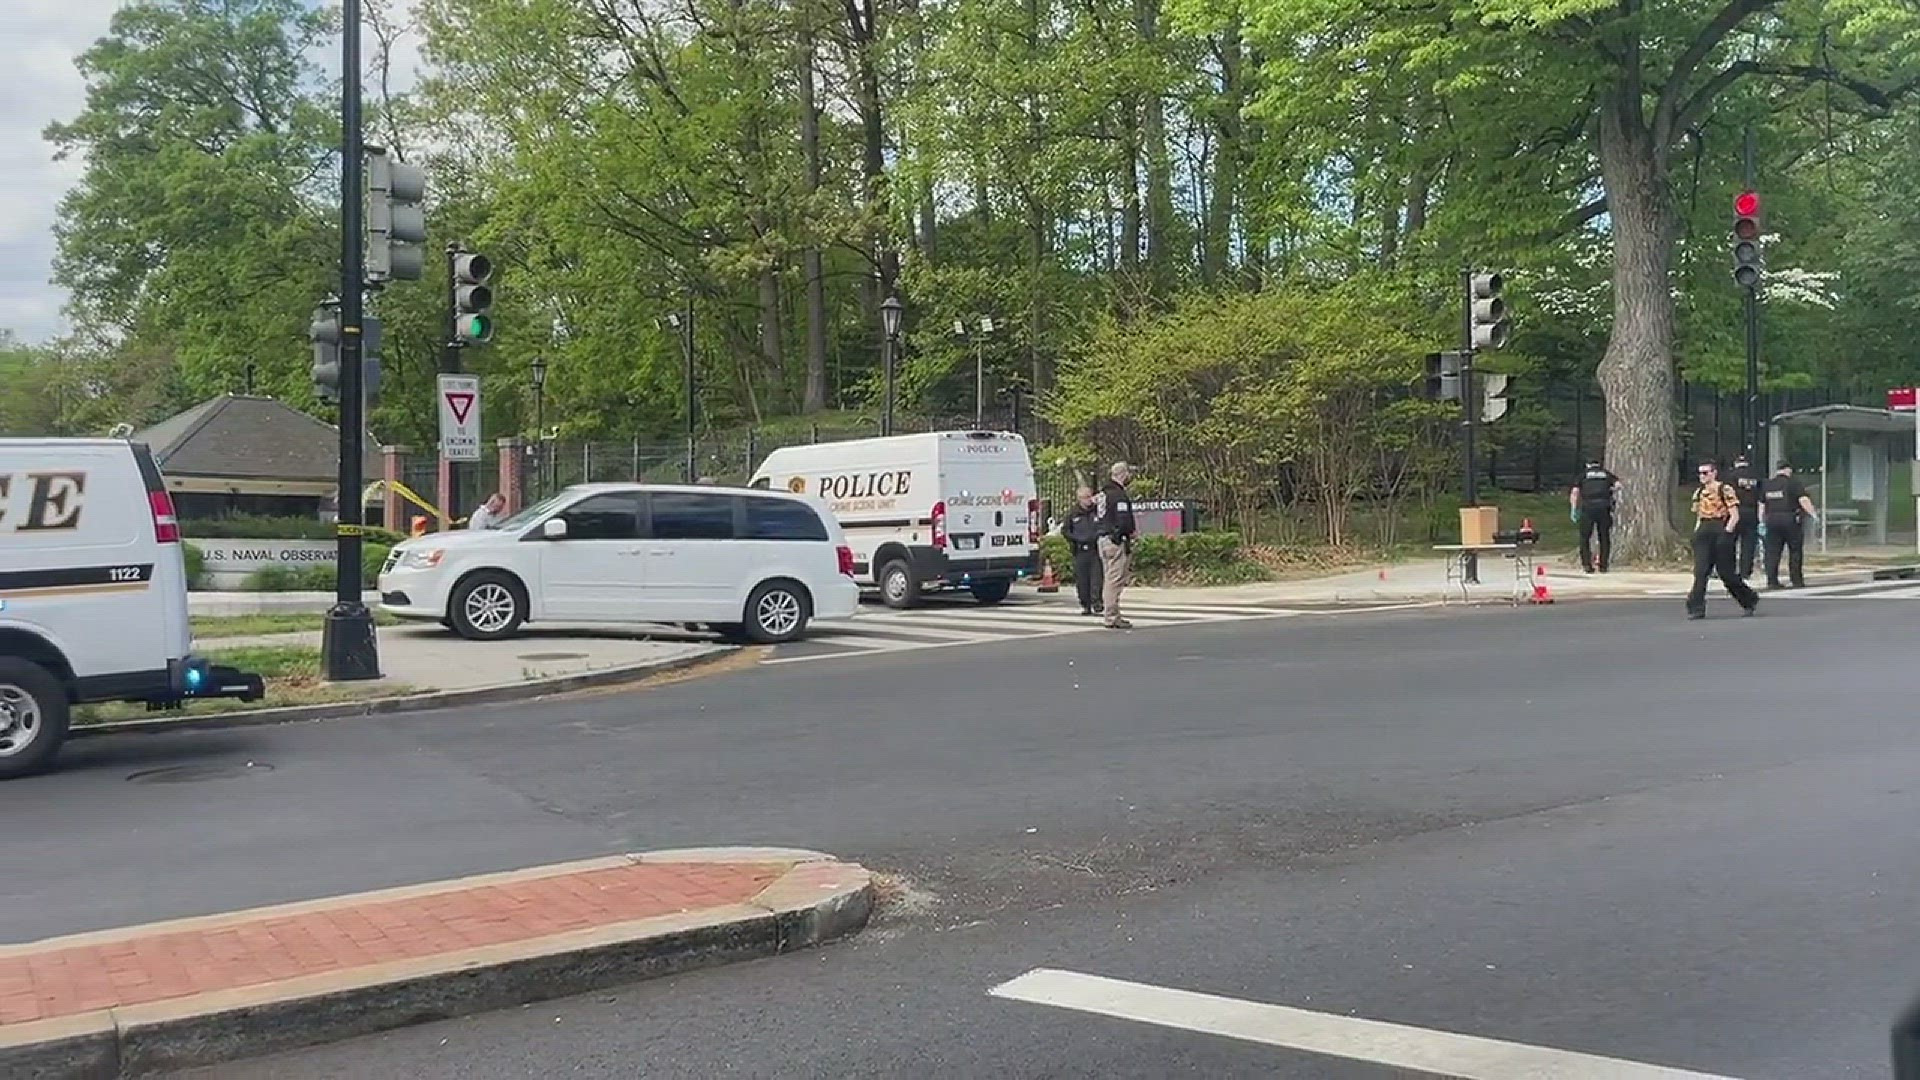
x,y
393,460
513,474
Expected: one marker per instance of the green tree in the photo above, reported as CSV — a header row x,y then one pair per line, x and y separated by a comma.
x,y
1557,115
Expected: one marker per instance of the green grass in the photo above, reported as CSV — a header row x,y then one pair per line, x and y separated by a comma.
x,y
292,674
208,627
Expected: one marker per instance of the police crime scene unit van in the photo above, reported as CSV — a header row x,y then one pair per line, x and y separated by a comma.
x,y
93,593
941,509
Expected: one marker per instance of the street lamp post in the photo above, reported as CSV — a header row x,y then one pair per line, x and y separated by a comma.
x,y
890,310
539,422
684,324
961,331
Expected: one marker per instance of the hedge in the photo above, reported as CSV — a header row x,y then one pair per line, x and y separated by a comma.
x,y
256,527
1199,558
316,578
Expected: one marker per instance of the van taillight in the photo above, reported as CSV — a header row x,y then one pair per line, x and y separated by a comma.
x,y
1033,521
940,525
166,527
846,560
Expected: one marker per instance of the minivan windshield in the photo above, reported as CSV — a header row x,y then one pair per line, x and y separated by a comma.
x,y
535,512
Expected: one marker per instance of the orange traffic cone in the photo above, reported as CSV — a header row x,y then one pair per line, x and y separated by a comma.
x,y
1048,583
1540,593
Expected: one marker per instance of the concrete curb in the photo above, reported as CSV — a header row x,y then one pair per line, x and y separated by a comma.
x,y
433,699
817,900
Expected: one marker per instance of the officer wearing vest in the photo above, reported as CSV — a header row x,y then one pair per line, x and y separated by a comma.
x,y
1746,482
1787,509
1716,510
1592,503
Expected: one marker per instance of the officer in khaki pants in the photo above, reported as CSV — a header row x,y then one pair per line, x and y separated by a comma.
x,y
1116,542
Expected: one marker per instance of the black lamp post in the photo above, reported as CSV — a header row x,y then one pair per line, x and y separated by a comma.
x,y
890,310
539,420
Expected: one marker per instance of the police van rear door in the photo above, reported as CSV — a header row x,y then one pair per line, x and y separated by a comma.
x,y
987,487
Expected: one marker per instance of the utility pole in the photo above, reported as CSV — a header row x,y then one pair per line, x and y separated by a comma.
x,y
347,639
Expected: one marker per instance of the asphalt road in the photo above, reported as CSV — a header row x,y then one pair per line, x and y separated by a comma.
x,y
1595,827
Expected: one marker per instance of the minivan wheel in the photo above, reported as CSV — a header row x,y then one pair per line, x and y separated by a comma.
x,y
898,587
487,607
992,592
777,612
33,716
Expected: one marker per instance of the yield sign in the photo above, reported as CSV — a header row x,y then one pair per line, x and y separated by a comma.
x,y
461,402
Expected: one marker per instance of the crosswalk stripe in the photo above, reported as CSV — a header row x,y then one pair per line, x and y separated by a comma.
x,y
1425,1051
876,628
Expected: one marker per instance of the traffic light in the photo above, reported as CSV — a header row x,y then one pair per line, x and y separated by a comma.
x,y
472,298
1488,311
1443,377
324,333
370,359
396,223
1746,239
1493,396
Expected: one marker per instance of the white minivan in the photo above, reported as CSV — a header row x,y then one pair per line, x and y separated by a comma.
x,y
753,565
939,509
93,593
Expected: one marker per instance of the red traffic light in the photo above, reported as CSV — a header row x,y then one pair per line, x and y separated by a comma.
x,y
1747,203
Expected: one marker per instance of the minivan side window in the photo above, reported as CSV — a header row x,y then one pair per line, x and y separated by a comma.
x,y
782,519
679,515
762,483
604,517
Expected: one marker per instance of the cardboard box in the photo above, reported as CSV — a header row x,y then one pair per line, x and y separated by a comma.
x,y
1478,524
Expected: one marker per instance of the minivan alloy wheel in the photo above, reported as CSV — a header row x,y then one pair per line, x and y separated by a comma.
x,y
19,719
489,607
778,612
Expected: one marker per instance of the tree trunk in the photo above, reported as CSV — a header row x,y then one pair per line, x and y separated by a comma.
x,y
1217,253
864,32
772,351
1130,187
1636,374
814,397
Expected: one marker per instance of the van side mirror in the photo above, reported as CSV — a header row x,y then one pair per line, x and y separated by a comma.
x,y
554,529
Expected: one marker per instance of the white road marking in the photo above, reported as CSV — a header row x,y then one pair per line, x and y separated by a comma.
x,y
1422,1050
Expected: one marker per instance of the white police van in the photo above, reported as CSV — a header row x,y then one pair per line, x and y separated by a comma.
x,y
93,593
938,509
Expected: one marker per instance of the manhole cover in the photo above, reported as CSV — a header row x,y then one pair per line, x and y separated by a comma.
x,y
187,774
554,656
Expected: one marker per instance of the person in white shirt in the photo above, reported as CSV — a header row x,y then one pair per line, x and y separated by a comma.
x,y
488,512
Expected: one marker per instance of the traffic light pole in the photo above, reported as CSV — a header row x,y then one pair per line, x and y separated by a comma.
x,y
1470,412
1755,420
347,638
450,365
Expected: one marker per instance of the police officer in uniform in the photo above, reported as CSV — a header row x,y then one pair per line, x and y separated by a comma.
x,y
1746,482
1716,509
1784,501
1592,503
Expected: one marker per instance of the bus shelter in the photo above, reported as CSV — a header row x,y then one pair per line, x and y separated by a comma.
x,y
1857,447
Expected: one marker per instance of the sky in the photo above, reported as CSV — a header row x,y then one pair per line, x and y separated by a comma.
x,y
39,85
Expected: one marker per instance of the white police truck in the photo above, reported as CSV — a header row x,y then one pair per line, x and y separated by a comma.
x,y
937,509
93,593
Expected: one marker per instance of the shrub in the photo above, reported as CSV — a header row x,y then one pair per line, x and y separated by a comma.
x,y
1203,558
258,527
196,566
318,577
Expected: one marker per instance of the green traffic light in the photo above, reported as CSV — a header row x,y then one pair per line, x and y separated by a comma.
x,y
477,328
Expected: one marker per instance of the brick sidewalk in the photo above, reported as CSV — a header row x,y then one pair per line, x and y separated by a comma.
x,y
80,974
84,973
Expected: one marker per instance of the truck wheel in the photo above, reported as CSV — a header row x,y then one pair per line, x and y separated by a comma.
x,y
898,587
992,592
777,612
33,716
487,607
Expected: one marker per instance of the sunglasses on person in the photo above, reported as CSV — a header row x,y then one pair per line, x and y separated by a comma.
x,y
1706,470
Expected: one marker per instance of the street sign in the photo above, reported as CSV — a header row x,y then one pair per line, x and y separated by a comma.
x,y
460,417
1902,399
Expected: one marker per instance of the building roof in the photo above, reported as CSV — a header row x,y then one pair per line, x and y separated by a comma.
x,y
254,438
